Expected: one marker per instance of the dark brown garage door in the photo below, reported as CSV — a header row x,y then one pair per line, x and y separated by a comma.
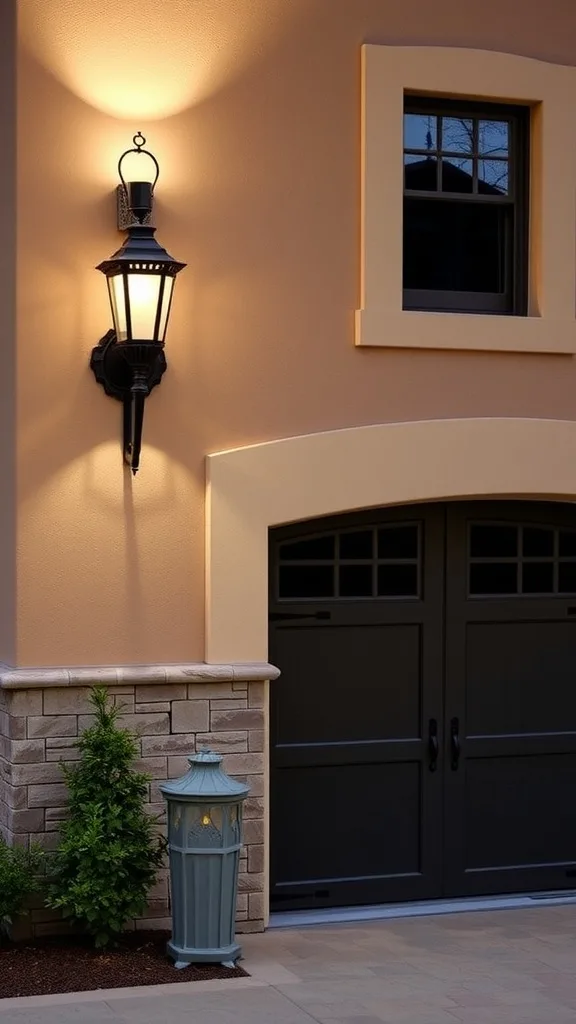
x,y
424,725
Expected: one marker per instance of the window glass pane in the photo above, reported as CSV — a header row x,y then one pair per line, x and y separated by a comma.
x,y
454,246
493,177
568,543
489,541
398,542
457,134
306,581
359,544
536,542
420,131
355,581
493,137
457,175
317,549
493,578
398,581
567,577
537,577
420,173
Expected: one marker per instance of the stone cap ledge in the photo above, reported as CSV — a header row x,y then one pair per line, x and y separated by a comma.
x,y
136,675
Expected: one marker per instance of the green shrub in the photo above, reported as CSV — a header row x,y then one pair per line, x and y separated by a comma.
x,y
19,878
109,852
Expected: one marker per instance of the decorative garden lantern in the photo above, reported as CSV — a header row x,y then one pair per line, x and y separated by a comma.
x,y
204,840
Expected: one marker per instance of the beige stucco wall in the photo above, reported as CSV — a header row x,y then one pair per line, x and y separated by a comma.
x,y
253,108
8,342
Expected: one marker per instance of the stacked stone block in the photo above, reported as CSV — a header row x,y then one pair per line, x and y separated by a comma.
x,y
40,726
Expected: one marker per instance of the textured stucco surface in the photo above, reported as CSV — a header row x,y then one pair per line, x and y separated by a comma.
x,y
259,194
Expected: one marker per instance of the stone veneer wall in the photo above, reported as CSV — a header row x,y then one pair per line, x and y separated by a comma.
x,y
40,724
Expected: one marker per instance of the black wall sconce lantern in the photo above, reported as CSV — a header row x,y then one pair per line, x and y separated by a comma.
x,y
129,360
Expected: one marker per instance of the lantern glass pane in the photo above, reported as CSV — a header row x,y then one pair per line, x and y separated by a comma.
x,y
144,291
118,304
166,302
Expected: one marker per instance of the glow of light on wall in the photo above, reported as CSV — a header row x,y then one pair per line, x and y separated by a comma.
x,y
148,59
93,480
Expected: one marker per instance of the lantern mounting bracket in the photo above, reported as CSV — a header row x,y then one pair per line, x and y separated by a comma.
x,y
112,370
128,373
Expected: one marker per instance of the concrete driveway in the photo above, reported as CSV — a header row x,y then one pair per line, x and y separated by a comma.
x,y
503,967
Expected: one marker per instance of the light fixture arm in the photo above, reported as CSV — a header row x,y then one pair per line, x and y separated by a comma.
x,y
128,376
133,424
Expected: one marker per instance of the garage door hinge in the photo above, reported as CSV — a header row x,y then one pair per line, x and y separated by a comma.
x,y
291,616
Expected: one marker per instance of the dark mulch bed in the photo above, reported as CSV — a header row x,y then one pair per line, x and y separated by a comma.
x,y
71,964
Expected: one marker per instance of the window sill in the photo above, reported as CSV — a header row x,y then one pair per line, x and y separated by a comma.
x,y
381,328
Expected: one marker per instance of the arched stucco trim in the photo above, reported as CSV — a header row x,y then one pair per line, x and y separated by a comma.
x,y
254,488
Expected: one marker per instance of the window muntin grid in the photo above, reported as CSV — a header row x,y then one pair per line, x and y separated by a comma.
x,y
376,562
521,560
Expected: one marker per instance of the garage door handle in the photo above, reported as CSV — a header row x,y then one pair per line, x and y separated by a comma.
x,y
455,743
433,744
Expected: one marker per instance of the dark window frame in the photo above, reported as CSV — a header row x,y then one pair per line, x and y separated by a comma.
x,y
337,561
554,558
513,301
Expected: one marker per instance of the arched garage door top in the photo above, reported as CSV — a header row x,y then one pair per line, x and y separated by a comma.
x,y
251,489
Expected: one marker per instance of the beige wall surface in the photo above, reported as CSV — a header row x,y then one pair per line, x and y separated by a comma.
x,y
253,109
8,346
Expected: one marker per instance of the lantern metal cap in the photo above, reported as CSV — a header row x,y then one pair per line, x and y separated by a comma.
x,y
140,247
205,780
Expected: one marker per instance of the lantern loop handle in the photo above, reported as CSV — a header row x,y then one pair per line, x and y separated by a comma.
x,y
139,142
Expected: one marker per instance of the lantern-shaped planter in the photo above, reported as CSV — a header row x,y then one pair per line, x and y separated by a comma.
x,y
204,840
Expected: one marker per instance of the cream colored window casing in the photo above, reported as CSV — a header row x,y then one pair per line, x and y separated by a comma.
x,y
390,72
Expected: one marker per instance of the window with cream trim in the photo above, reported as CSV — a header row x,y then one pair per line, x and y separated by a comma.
x,y
529,304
